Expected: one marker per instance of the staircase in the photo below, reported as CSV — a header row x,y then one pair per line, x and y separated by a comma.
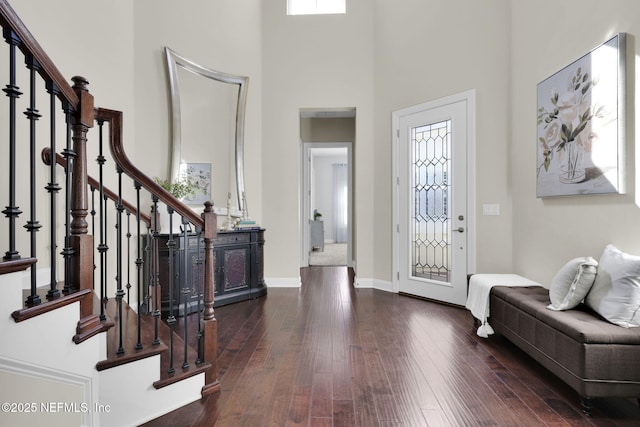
x,y
85,342
93,397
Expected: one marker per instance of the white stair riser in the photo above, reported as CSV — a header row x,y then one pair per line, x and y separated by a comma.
x,y
119,396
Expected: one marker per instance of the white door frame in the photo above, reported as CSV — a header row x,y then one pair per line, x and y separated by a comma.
x,y
470,98
305,198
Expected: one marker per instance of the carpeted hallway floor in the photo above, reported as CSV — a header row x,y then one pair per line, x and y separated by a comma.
x,y
333,254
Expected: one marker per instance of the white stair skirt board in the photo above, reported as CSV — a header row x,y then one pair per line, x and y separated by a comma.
x,y
46,340
132,399
45,356
333,254
118,396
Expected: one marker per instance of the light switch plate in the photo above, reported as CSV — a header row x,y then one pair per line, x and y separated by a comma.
x,y
491,209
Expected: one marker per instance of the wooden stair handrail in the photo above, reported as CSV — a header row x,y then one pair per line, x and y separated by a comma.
x,y
29,312
117,150
30,47
80,102
14,265
94,184
207,222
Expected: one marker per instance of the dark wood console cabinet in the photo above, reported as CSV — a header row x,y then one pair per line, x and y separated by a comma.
x,y
238,270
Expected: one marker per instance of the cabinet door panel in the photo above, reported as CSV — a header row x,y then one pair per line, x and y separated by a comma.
x,y
235,268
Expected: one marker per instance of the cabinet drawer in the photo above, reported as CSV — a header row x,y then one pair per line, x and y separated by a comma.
x,y
226,239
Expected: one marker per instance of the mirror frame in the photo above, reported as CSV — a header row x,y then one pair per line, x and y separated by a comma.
x,y
175,60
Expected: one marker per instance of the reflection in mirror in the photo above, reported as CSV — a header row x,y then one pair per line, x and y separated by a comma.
x,y
208,110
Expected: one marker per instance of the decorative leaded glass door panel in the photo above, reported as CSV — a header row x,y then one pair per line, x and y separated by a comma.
x,y
432,223
430,164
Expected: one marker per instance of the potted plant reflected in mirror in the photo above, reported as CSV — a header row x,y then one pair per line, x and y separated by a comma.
x,y
185,187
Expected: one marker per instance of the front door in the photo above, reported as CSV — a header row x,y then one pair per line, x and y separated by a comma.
x,y
432,213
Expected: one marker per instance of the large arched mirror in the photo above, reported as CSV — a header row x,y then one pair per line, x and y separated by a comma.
x,y
208,111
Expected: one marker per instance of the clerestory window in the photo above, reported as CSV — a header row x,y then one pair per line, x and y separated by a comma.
x,y
316,7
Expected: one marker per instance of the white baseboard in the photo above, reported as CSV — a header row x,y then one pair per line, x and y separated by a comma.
x,y
283,282
296,282
382,285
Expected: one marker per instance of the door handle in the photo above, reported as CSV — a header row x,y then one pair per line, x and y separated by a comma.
x,y
459,229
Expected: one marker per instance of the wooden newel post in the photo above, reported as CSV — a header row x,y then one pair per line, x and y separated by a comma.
x,y
82,243
209,322
82,121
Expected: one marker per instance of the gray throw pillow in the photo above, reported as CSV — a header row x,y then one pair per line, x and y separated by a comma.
x,y
615,294
572,283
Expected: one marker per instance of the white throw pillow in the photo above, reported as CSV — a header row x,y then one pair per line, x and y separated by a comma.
x,y
572,283
615,294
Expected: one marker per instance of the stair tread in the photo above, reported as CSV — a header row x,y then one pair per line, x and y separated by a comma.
x,y
147,334
129,346
42,292
179,373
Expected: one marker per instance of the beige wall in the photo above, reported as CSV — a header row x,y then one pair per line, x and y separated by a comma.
x,y
217,35
99,50
380,57
119,49
313,62
549,232
425,50
385,53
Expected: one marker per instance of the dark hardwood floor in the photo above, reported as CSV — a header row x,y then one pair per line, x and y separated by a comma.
x,y
332,355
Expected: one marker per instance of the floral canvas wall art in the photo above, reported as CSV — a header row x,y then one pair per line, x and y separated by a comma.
x,y
580,128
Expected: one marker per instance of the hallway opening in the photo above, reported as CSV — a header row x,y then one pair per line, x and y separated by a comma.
x,y
326,187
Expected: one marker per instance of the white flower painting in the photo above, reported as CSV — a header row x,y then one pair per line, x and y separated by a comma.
x,y
580,131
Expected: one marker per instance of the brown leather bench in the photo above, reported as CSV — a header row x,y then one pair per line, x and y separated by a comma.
x,y
593,356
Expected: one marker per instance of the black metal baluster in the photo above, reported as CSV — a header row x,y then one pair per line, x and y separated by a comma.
x,y
69,155
128,258
102,221
105,277
32,225
155,271
148,278
53,188
12,211
139,265
119,291
185,289
171,320
93,230
200,279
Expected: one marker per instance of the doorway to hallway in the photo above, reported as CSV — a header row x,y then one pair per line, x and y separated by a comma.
x,y
327,204
327,137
